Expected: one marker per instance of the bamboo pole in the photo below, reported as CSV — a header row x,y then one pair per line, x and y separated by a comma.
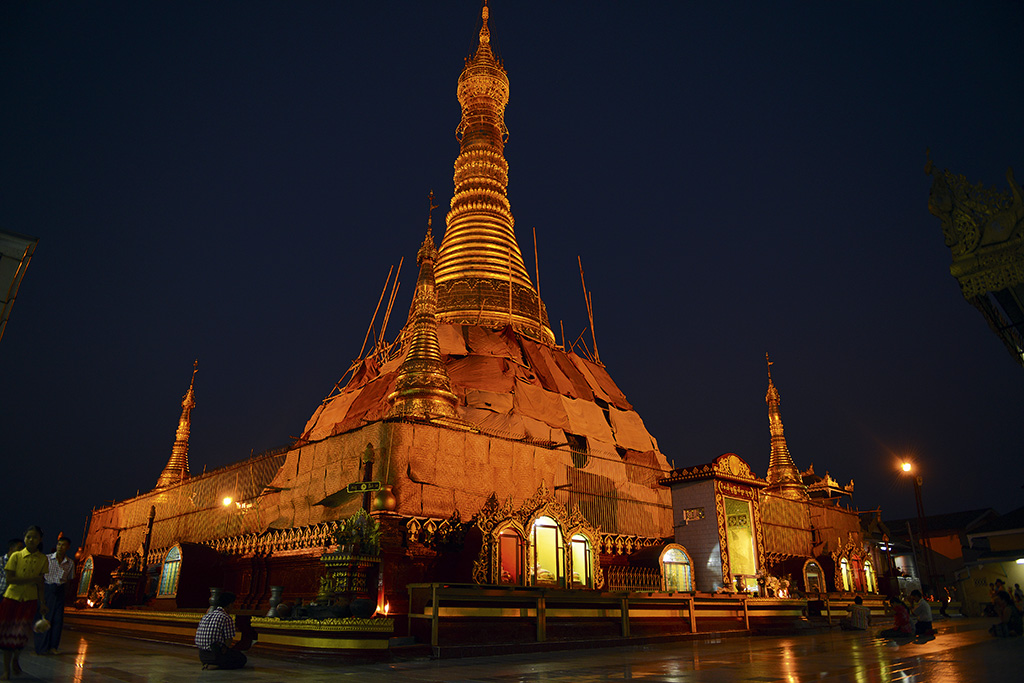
x,y
391,303
374,318
590,309
536,269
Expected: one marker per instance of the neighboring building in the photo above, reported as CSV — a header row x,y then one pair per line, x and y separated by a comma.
x,y
984,230
996,551
743,531
947,537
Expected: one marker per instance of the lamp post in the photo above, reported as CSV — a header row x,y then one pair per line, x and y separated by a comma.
x,y
922,527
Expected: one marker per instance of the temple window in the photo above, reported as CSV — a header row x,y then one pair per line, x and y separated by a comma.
x,y
547,553
169,572
582,573
846,574
85,582
740,534
510,557
676,572
580,452
870,582
812,578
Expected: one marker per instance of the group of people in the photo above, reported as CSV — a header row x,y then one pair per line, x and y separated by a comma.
x,y
1007,607
34,587
909,622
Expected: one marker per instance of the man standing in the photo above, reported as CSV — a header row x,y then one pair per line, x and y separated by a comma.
x,y
214,635
60,573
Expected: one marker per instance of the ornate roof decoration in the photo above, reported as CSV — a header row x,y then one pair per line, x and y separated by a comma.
x,y
495,517
824,484
176,470
423,388
480,275
783,476
984,230
727,466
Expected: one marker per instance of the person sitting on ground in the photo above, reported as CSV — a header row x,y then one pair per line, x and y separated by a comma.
x,y
1010,621
214,635
860,616
901,617
922,613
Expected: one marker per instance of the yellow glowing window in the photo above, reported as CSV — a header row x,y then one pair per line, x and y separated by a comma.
x,y
870,582
675,568
169,573
581,573
85,582
847,575
510,557
548,552
740,534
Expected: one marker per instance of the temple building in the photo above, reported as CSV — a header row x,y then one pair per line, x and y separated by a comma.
x,y
984,230
473,449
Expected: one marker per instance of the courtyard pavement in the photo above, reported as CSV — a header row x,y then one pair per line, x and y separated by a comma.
x,y
962,651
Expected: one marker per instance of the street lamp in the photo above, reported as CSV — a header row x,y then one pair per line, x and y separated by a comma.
x,y
922,528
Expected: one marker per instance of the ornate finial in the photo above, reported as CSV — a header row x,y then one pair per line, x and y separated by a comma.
x,y
428,250
430,211
485,33
769,361
783,475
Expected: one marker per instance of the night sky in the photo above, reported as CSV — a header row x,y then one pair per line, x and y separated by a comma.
x,y
231,181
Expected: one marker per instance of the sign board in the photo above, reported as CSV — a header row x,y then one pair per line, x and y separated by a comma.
x,y
363,486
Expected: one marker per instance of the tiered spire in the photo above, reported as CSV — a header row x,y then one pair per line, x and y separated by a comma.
x,y
480,275
783,476
422,388
176,470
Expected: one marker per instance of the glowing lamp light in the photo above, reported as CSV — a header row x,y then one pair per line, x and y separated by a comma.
x,y
387,606
227,501
907,467
1020,560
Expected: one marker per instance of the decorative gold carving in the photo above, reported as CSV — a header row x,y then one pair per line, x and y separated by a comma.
x,y
176,470
495,517
983,228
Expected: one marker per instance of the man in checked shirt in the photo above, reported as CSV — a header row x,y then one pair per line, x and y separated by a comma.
x,y
214,635
59,574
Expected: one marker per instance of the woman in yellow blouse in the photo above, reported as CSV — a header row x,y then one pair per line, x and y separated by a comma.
x,y
25,570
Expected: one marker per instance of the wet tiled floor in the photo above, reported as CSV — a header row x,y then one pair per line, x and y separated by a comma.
x,y
963,651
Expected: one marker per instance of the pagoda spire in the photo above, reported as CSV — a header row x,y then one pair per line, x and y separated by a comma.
x,y
480,275
783,475
422,388
176,470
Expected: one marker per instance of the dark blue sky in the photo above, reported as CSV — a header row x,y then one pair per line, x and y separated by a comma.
x,y
231,181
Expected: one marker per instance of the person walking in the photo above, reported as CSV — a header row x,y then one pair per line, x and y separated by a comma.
x,y
25,570
59,574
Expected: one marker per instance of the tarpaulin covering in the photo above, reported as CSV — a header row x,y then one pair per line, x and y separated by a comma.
x,y
546,406
489,400
629,429
450,339
482,372
587,419
618,399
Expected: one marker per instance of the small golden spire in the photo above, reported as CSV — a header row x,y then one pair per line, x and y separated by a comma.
x,y
783,475
176,470
423,388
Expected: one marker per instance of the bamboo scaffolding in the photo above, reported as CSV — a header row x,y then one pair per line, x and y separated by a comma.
x,y
391,303
590,309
